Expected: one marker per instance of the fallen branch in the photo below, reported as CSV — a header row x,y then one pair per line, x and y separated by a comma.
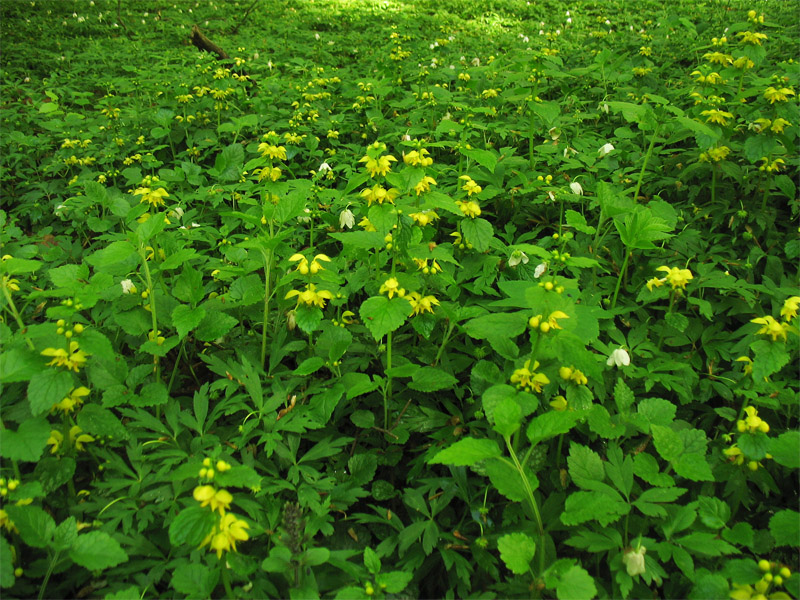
x,y
203,43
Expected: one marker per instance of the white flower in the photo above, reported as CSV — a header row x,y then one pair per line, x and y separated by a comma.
x,y
525,39
619,358
127,286
347,219
406,138
634,561
316,36
255,56
605,149
567,13
517,257
195,224
603,108
539,271
608,22
476,62
569,19
305,218
179,211
324,168
576,188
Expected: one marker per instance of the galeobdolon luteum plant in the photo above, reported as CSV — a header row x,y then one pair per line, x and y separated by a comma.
x,y
407,300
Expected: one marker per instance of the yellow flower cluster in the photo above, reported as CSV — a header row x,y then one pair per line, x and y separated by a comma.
x,y
76,438
310,296
390,287
771,166
677,278
773,94
420,303
73,359
418,158
551,322
715,154
379,194
304,267
207,471
470,186
779,329
422,265
424,185
270,151
378,166
774,575
526,378
470,208
229,529
425,217
71,401
572,374
717,116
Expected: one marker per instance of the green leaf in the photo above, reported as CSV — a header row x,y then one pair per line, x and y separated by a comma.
x,y
578,222
477,232
18,266
363,419
27,443
581,507
507,417
551,424
757,146
706,543
191,525
371,561
575,583
315,556
19,365
152,394
382,315
431,379
507,325
65,534
358,384
619,470
97,420
228,164
215,325
7,578
710,585
769,357
754,445
785,449
67,276
466,452
185,318
585,465
785,528
48,388
657,411
52,472
693,466
667,442
395,581
517,551
485,158
362,468
195,580
367,240
308,366
677,321
36,527
713,512
506,479
623,396
640,229
741,534
383,217
114,253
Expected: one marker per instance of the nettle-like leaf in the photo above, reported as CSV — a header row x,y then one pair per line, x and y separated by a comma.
x,y
382,315
97,551
466,452
640,228
517,550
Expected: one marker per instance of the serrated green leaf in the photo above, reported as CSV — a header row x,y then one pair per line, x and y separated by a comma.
x,y
7,578
114,253
47,388
667,442
35,526
693,466
186,318
623,396
485,158
195,580
517,551
395,581
785,449
382,315
466,452
27,443
431,379
371,561
575,583
713,512
191,525
585,465
707,544
97,420
507,417
65,534
478,232
581,507
506,479
754,445
20,365
785,528
215,325
551,424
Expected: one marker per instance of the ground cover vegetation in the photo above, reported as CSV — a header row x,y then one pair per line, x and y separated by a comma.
x,y
399,299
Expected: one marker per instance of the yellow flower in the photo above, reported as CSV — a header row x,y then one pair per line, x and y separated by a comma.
x,y
752,422
310,296
366,225
751,37
743,62
418,158
470,186
718,58
748,364
78,439
379,194
273,152
153,197
378,166
206,495
55,440
470,209
771,327
572,374
552,320
390,287
717,116
654,282
421,304
73,360
769,167
527,379
272,173
6,522
710,79
559,403
777,95
424,185
422,265
305,268
224,536
790,307
72,401
12,285
677,278
424,217
779,124
734,455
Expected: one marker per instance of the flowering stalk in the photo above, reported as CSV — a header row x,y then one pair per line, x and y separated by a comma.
x,y
621,275
532,501
151,296
15,312
646,160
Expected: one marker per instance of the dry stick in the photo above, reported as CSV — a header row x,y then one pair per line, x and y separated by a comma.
x,y
244,18
119,18
203,43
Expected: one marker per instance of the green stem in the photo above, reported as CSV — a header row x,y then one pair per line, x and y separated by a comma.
x,y
534,507
646,160
450,326
226,579
151,292
50,567
713,184
388,394
267,273
621,275
15,312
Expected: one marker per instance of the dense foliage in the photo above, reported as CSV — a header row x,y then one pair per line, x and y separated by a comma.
x,y
401,299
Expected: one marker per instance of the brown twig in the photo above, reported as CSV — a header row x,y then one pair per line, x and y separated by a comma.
x,y
203,43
